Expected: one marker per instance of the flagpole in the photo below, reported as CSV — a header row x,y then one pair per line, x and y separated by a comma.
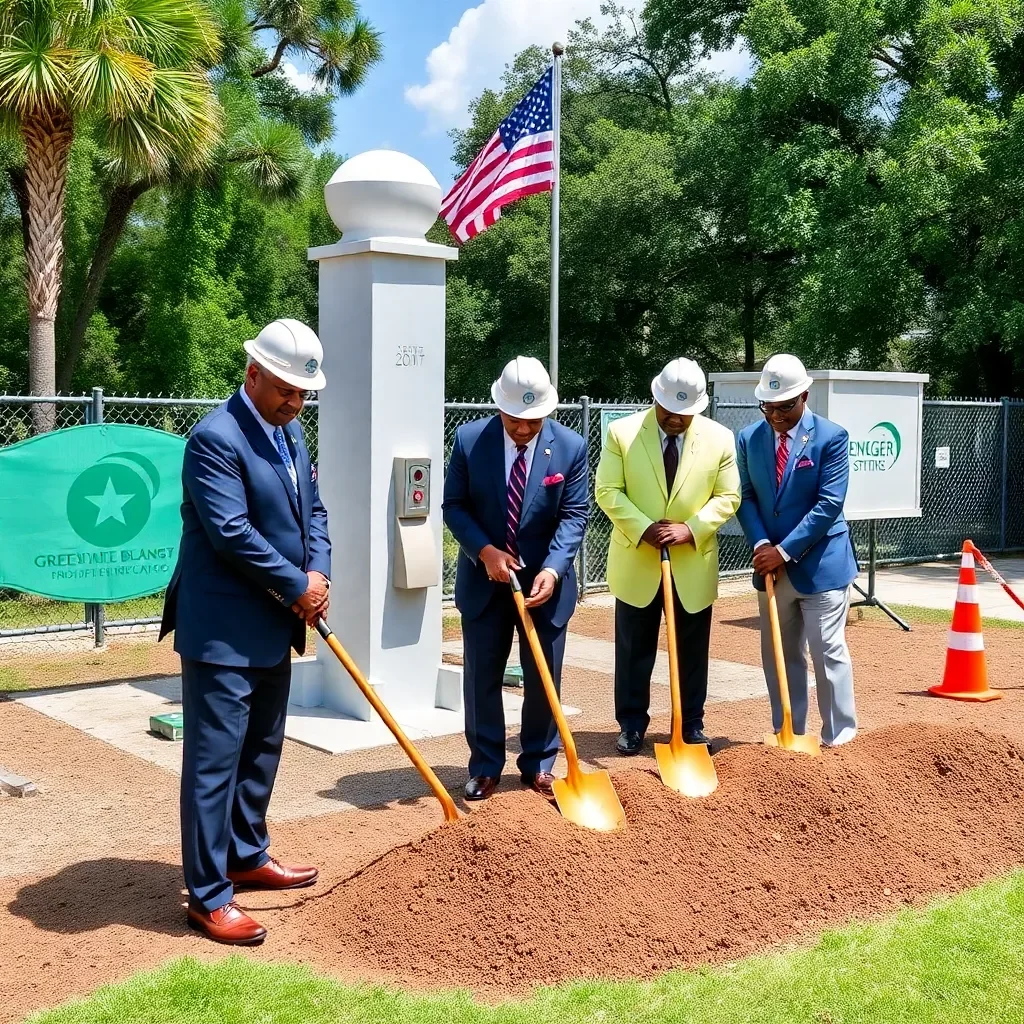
x,y
556,105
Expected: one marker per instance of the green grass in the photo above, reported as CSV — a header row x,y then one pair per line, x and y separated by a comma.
x,y
25,611
917,615
959,962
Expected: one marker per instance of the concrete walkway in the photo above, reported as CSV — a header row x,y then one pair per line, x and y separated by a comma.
x,y
933,585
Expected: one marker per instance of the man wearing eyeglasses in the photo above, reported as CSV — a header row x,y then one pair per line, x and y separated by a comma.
x,y
794,472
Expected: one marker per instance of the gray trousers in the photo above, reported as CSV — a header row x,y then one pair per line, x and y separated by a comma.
x,y
817,621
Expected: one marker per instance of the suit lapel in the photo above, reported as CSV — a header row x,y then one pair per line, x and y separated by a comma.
x,y
804,433
539,467
303,474
766,440
495,454
689,448
652,444
262,445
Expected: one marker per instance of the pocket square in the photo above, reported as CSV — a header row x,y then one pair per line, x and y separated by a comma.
x,y
312,473
804,464
550,481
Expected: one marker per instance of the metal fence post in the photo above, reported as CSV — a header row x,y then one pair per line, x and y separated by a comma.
x,y
585,429
95,612
1004,502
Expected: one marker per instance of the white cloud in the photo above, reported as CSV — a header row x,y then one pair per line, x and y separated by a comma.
x,y
487,38
734,63
302,80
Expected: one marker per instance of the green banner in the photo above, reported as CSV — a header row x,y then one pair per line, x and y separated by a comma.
x,y
91,513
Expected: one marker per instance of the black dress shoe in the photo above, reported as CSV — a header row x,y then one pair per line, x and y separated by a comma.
x,y
697,736
629,743
480,787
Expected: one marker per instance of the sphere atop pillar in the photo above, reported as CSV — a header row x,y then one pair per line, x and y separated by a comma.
x,y
382,194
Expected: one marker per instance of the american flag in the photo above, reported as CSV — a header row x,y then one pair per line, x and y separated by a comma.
x,y
518,161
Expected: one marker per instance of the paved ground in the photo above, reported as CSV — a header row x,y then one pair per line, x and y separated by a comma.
x,y
89,877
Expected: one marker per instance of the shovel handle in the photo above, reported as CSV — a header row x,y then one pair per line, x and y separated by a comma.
x,y
674,684
780,659
568,743
442,794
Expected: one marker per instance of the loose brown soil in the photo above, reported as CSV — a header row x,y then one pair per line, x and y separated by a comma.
x,y
516,895
90,883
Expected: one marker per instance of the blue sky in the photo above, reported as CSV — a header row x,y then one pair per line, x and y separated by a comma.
x,y
438,55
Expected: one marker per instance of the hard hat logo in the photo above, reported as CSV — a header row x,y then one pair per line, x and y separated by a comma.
x,y
681,395
312,366
529,398
774,385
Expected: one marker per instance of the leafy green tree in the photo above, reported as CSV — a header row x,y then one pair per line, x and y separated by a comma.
x,y
135,69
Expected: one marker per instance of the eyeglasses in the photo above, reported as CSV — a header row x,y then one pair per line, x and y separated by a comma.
x,y
783,407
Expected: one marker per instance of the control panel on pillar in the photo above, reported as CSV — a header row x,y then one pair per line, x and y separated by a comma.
x,y
412,488
416,562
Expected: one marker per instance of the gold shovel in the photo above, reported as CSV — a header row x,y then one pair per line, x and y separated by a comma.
x,y
442,794
685,767
786,738
587,799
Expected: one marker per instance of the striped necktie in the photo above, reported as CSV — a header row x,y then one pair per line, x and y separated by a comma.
x,y
781,458
516,490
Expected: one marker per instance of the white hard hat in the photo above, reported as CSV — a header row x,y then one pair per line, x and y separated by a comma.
x,y
524,390
681,388
291,351
783,378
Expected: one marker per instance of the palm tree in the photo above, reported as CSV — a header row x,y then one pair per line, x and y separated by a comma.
x,y
267,118
135,71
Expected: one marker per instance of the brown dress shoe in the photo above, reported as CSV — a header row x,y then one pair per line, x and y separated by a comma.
x,y
228,924
480,787
540,783
273,875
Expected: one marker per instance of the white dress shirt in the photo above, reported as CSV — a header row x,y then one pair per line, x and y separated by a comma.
x,y
677,439
270,431
511,454
791,434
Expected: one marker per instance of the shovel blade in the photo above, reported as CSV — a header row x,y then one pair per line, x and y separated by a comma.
x,y
687,768
592,802
809,745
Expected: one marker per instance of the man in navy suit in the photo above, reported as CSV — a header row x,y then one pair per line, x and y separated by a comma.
x,y
794,471
252,572
515,498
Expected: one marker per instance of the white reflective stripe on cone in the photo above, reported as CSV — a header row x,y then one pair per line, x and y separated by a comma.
x,y
966,641
967,593
967,561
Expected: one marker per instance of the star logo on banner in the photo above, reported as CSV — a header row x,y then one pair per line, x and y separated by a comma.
x,y
109,504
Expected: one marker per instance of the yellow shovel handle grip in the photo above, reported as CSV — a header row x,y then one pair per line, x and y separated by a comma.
x,y
442,794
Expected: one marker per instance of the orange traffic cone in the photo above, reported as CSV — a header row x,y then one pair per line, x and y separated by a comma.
x,y
965,677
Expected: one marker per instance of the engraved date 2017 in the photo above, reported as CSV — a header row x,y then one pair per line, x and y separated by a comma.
x,y
410,355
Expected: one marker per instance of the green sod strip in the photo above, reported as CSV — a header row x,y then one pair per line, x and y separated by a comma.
x,y
959,962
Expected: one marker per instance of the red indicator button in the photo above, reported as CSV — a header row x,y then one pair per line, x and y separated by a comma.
x,y
417,496
417,475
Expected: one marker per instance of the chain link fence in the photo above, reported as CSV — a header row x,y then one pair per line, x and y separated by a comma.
x,y
980,496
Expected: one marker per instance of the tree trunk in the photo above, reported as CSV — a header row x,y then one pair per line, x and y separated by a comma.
x,y
48,135
749,309
122,199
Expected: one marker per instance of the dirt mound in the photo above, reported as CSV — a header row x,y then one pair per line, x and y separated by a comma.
x,y
514,895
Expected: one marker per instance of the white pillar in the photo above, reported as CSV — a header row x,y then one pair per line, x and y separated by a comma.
x,y
382,324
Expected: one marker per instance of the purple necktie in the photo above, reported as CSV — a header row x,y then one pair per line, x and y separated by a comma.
x,y
516,490
671,455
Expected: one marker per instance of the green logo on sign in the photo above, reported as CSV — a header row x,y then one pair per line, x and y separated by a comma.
x,y
110,502
878,452
83,514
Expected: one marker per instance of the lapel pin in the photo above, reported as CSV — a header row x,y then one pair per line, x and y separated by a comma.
x,y
803,440
547,452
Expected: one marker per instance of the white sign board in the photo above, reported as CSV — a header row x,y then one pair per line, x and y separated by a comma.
x,y
942,458
881,412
